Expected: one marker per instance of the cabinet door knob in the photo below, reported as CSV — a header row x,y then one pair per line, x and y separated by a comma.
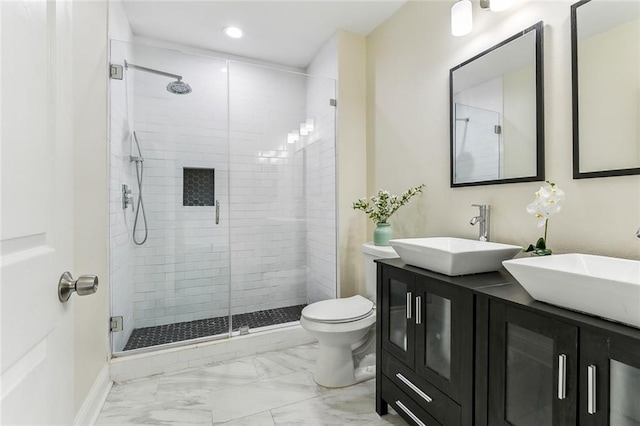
x,y
591,389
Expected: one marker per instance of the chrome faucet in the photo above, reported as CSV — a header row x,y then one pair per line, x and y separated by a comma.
x,y
483,220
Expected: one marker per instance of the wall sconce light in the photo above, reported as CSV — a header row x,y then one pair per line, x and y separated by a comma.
x,y
461,18
496,5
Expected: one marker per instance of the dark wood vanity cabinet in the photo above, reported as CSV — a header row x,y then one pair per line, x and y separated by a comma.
x,y
478,350
532,368
425,345
609,378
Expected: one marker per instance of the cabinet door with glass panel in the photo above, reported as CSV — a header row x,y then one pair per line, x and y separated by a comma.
x,y
428,324
532,368
609,379
444,326
398,322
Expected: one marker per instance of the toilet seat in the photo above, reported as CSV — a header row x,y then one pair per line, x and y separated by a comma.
x,y
337,311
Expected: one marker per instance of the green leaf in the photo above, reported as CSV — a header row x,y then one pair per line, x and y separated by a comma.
x,y
541,245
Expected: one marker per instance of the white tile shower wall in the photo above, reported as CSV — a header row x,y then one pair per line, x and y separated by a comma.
x,y
320,189
121,221
268,223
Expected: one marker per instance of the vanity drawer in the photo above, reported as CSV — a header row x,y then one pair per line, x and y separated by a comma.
x,y
440,406
405,406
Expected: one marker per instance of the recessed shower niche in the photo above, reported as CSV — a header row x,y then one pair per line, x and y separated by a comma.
x,y
198,187
244,239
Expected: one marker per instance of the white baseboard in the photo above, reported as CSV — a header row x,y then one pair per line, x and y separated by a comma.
x,y
88,413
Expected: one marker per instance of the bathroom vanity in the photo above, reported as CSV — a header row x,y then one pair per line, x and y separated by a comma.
x,y
478,350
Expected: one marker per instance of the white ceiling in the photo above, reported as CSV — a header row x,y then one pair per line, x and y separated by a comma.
x,y
282,32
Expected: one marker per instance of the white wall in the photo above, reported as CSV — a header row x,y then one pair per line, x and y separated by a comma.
x,y
408,62
90,187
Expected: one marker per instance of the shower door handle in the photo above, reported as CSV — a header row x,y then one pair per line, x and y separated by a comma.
x,y
217,212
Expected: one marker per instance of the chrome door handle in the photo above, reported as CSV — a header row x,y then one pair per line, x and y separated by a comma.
x,y
562,376
85,285
217,212
409,305
591,389
418,310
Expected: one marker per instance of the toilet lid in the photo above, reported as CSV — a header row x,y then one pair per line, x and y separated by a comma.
x,y
339,310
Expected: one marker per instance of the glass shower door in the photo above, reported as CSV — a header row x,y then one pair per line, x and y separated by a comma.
x,y
282,194
482,159
170,283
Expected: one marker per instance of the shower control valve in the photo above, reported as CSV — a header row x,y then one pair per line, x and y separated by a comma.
x,y
127,198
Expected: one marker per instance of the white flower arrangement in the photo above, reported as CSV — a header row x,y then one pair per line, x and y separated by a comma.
x,y
379,208
545,205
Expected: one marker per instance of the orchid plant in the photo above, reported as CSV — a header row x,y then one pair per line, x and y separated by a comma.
x,y
380,207
545,205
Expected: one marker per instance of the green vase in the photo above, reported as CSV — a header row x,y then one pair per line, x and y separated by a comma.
x,y
382,234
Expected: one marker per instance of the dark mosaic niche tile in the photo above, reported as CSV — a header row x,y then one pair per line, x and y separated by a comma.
x,y
178,332
198,187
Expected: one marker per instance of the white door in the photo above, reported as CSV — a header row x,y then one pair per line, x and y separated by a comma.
x,y
36,216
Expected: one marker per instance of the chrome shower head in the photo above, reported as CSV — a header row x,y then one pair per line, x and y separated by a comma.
x,y
178,87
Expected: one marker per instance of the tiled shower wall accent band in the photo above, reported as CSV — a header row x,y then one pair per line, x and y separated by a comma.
x,y
181,273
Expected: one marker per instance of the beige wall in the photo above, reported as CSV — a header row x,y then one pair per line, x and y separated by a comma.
x,y
408,62
90,177
610,107
352,167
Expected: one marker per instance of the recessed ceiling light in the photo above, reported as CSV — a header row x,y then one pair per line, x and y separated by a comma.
x,y
233,32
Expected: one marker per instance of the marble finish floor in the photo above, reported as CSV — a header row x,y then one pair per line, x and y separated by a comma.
x,y
275,388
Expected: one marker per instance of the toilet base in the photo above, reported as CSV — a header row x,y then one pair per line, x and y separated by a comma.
x,y
335,367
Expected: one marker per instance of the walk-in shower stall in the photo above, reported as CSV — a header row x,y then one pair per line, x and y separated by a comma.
x,y
222,196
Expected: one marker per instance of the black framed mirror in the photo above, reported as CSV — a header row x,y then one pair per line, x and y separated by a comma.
x,y
497,113
605,59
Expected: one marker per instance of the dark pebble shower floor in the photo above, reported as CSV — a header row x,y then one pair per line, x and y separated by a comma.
x,y
178,332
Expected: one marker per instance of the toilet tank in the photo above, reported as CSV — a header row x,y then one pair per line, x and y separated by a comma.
x,y
371,252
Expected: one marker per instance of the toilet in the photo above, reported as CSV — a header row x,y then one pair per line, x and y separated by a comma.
x,y
345,329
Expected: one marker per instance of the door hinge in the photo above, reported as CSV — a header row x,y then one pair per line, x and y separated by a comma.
x,y
116,72
333,102
497,129
116,324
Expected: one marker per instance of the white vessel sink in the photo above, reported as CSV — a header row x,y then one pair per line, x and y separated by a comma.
x,y
604,286
453,256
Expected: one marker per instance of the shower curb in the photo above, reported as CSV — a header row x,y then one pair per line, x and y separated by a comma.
x,y
131,367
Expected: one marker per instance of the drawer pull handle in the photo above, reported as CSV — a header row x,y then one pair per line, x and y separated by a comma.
x,y
418,310
591,389
562,376
413,387
409,413
409,305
